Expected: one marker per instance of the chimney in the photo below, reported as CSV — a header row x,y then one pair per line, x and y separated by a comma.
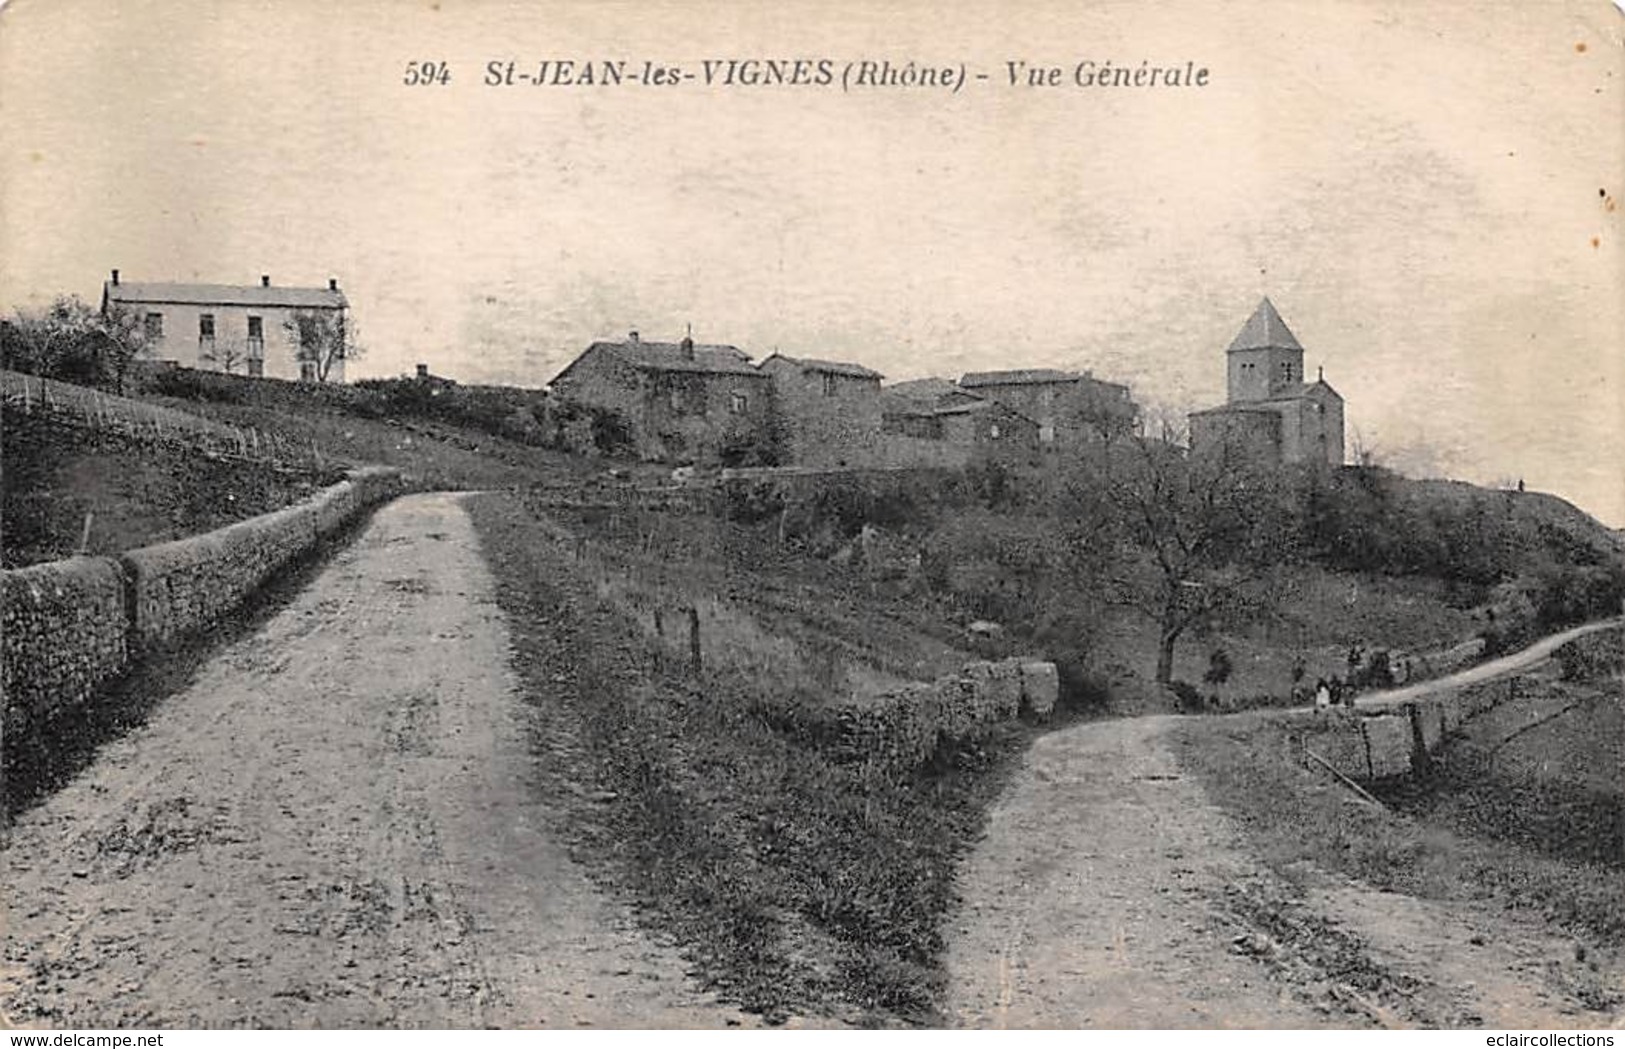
x,y
1320,373
115,278
632,337
265,280
332,284
688,348
423,371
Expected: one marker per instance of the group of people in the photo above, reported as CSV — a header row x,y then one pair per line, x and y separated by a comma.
x,y
1332,693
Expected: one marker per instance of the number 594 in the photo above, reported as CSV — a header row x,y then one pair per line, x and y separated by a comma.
x,y
427,73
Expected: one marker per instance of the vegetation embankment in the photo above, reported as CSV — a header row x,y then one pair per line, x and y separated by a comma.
x,y
1140,569
71,489
452,450
797,883
1525,804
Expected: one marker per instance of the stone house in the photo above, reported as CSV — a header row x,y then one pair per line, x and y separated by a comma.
x,y
1069,407
216,326
993,428
680,402
1271,413
829,410
936,423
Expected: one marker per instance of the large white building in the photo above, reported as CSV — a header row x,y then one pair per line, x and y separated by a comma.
x,y
240,328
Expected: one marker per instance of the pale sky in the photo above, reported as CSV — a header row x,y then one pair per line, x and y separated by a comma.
x,y
1424,190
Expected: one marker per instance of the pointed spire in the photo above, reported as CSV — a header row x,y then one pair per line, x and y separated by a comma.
x,y
1265,328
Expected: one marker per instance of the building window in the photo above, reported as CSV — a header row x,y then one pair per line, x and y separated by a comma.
x,y
829,384
256,339
205,326
155,325
738,403
256,367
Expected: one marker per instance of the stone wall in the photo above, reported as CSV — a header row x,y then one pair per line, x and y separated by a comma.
x,y
178,587
1381,743
65,634
71,626
901,729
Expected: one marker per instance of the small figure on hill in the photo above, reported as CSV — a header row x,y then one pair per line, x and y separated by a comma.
x,y
1520,484
1323,694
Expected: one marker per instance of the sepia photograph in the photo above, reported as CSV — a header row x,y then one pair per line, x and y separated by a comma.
x,y
829,515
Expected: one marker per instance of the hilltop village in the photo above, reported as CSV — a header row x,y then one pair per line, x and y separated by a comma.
x,y
686,403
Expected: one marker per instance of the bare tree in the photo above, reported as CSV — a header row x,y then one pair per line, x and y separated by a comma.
x,y
322,340
227,352
1202,533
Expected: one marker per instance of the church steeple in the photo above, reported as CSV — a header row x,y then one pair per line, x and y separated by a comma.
x,y
1265,357
1265,330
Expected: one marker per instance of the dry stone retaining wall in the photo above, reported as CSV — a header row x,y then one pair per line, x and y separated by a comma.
x,y
1397,742
71,626
65,634
903,728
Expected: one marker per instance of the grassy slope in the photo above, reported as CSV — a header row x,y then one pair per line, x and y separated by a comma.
x,y
136,493
1540,831
794,883
435,456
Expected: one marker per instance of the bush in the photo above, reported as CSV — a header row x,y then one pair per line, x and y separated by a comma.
x,y
1187,698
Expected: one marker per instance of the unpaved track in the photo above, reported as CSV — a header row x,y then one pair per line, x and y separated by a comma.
x,y
1523,659
1099,898
1088,902
331,826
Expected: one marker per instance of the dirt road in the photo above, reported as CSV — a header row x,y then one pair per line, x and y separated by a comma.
x,y
331,826
1109,892
1088,904
1487,671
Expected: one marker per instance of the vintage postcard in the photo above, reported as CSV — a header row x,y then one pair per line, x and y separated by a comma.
x,y
706,514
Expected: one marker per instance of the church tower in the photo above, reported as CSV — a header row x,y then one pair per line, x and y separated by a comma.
x,y
1264,358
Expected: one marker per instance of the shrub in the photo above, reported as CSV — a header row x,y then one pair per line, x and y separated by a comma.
x,y
1187,698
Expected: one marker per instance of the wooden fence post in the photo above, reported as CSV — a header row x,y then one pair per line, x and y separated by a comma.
x,y
1421,760
694,638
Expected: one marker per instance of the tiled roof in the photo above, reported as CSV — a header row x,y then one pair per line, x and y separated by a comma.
x,y
920,389
1292,391
856,371
670,357
225,295
1018,376
969,407
1264,329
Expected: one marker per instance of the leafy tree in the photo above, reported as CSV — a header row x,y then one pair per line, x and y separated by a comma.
x,y
55,341
70,340
126,340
